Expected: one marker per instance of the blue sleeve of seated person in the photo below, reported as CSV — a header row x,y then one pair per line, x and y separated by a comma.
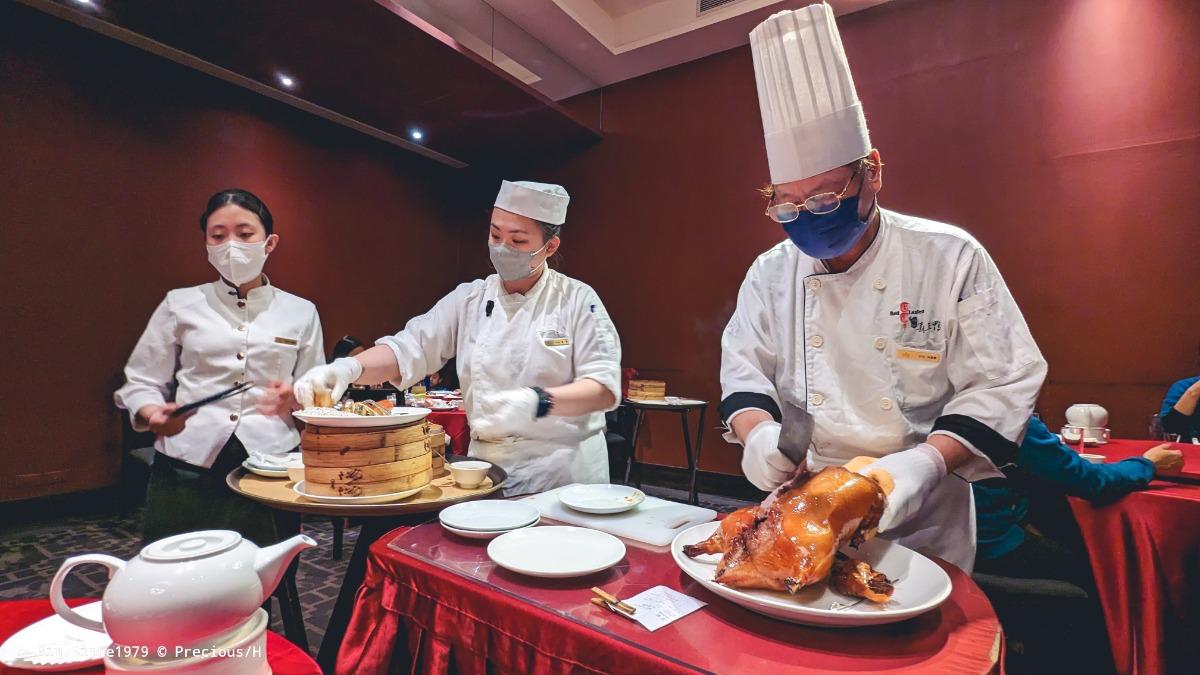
x,y
1173,421
1043,455
1174,394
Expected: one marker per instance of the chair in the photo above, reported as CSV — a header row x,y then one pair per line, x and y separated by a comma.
x,y
617,434
1051,625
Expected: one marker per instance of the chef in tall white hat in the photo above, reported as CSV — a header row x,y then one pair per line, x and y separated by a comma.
x,y
867,333
537,355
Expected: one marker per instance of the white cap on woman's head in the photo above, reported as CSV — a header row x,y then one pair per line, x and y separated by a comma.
x,y
546,202
812,119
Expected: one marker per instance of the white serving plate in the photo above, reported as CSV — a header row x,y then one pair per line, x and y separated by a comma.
x,y
489,515
263,471
476,534
556,551
398,417
299,488
52,644
601,498
920,585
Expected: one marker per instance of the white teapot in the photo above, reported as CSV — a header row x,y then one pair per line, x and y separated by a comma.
x,y
1087,415
183,589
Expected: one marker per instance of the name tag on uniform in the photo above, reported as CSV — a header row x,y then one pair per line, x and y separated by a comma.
x,y
554,338
286,341
923,355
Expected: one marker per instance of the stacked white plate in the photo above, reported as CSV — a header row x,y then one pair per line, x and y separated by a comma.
x,y
489,518
273,469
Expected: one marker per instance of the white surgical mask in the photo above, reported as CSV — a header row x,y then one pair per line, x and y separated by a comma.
x,y
511,264
238,261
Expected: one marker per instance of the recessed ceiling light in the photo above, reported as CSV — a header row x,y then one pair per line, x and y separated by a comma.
x,y
88,3
416,134
287,81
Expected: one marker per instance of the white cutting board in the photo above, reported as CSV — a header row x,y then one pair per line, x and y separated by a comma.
x,y
654,521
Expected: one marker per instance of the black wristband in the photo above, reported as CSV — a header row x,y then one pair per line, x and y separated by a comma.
x,y
545,402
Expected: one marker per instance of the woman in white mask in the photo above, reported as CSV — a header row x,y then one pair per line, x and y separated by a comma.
x,y
538,357
205,339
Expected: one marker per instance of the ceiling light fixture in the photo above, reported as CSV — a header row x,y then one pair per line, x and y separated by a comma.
x,y
416,134
287,81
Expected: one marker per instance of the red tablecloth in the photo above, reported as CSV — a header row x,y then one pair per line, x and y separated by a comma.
x,y
455,423
414,616
1145,555
1118,449
284,657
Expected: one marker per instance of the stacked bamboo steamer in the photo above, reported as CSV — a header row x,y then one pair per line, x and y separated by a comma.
x,y
436,436
647,390
347,462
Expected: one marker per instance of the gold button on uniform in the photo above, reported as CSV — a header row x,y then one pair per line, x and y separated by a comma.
x,y
242,328
816,399
814,283
233,417
241,355
880,284
880,343
816,341
241,304
885,403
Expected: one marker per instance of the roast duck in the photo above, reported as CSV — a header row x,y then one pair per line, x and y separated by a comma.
x,y
792,540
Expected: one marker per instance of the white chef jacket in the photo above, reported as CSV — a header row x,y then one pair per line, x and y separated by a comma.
x,y
919,336
557,333
204,339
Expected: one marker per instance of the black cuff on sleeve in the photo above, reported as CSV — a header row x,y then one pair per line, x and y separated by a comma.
x,y
1176,422
985,439
745,399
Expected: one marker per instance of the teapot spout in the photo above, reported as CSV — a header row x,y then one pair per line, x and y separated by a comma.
x,y
271,562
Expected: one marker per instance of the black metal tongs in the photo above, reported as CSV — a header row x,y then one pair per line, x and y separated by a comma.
x,y
219,396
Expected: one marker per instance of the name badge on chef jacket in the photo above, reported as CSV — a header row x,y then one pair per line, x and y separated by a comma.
x,y
286,341
554,338
923,355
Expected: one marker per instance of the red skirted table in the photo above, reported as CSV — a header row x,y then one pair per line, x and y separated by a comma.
x,y
414,615
284,657
1145,556
1118,449
455,424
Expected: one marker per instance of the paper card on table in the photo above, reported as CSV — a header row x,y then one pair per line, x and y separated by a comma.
x,y
660,606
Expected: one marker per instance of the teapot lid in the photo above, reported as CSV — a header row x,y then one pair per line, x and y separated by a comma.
x,y
191,545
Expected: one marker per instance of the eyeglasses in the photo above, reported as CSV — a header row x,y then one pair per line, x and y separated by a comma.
x,y
818,204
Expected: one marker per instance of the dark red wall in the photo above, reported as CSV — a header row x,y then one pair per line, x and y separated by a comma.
x,y
108,157
1063,135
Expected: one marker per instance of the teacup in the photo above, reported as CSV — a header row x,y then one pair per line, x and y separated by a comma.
x,y
469,474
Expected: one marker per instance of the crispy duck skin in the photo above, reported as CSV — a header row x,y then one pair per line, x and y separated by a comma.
x,y
858,579
792,542
731,526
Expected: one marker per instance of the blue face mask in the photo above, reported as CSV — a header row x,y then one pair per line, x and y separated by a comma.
x,y
829,235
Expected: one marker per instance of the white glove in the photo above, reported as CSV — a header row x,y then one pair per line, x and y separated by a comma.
x,y
505,413
762,462
333,379
907,477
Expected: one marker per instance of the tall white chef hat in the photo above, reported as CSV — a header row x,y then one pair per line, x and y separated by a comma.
x,y
546,202
812,119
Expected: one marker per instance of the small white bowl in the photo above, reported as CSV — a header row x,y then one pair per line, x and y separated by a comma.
x,y
469,474
1094,459
295,467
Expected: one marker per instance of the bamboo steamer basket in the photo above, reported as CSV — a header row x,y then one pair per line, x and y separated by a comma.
x,y
383,487
365,457
326,439
368,473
